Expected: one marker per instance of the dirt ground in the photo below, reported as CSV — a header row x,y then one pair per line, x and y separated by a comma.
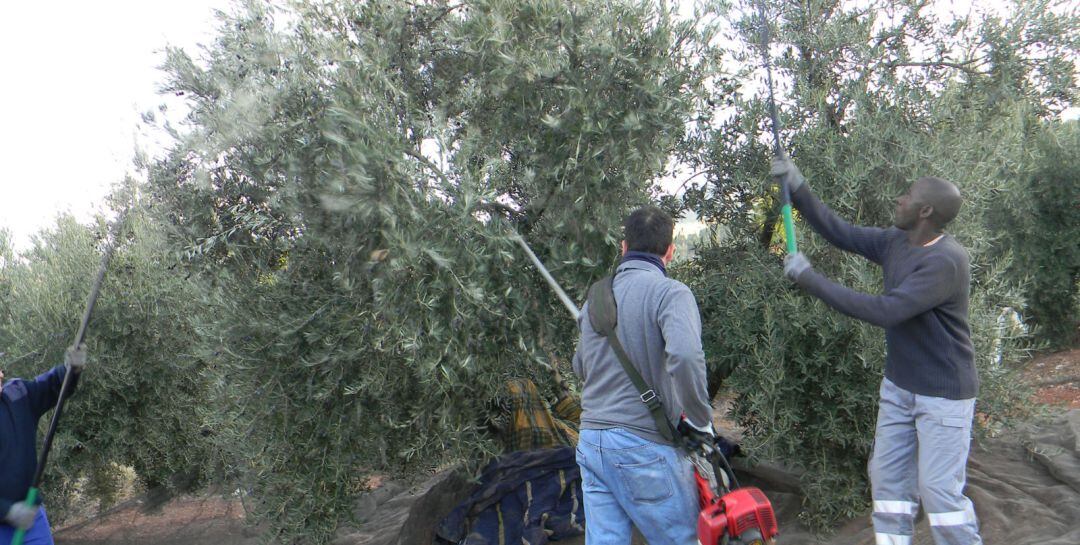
x,y
1058,376
216,521
186,520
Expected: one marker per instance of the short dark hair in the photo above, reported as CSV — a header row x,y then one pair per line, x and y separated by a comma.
x,y
648,229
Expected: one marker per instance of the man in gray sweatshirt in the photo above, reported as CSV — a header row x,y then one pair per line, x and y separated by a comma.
x,y
630,473
928,394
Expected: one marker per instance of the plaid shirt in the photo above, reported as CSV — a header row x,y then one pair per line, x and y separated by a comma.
x,y
533,424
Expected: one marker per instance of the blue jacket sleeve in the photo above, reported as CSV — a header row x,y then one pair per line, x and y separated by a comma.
x,y
869,242
44,391
5,506
930,285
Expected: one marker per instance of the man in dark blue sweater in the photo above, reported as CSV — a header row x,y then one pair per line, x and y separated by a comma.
x,y
928,393
22,404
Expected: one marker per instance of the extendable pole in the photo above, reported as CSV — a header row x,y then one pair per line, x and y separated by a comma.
x,y
778,149
80,337
566,301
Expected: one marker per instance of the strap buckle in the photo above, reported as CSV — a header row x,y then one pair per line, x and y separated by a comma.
x,y
647,396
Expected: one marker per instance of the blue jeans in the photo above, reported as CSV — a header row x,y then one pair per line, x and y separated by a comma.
x,y
626,479
38,534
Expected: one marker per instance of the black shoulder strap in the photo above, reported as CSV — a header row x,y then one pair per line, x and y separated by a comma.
x,y
604,316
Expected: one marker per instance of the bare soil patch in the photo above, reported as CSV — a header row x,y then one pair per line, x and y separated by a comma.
x,y
1056,378
185,520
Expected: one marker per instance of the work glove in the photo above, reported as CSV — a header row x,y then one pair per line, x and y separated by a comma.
x,y
784,170
21,515
694,436
75,358
795,265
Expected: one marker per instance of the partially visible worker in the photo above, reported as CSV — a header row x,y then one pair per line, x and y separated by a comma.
x,y
22,404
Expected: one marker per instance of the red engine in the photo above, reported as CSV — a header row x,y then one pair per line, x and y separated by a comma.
x,y
745,515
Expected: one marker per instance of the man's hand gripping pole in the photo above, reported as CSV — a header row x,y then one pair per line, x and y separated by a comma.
x,y
778,149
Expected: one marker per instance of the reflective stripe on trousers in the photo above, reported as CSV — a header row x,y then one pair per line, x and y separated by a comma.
x,y
920,455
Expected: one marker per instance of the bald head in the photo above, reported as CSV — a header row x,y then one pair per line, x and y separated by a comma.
x,y
930,202
942,195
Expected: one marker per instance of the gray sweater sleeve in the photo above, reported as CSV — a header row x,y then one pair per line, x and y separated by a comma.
x,y
930,284
575,362
680,323
869,242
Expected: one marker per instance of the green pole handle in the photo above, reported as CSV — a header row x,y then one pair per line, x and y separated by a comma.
x,y
789,229
778,149
31,498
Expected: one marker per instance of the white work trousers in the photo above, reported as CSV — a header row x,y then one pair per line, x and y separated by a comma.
x,y
920,454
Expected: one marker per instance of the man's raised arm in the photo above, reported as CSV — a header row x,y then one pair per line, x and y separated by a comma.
x,y
869,242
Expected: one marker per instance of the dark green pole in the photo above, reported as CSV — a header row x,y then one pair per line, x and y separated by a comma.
x,y
778,149
80,337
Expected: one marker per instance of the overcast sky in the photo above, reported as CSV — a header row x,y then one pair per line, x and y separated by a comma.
x,y
76,76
